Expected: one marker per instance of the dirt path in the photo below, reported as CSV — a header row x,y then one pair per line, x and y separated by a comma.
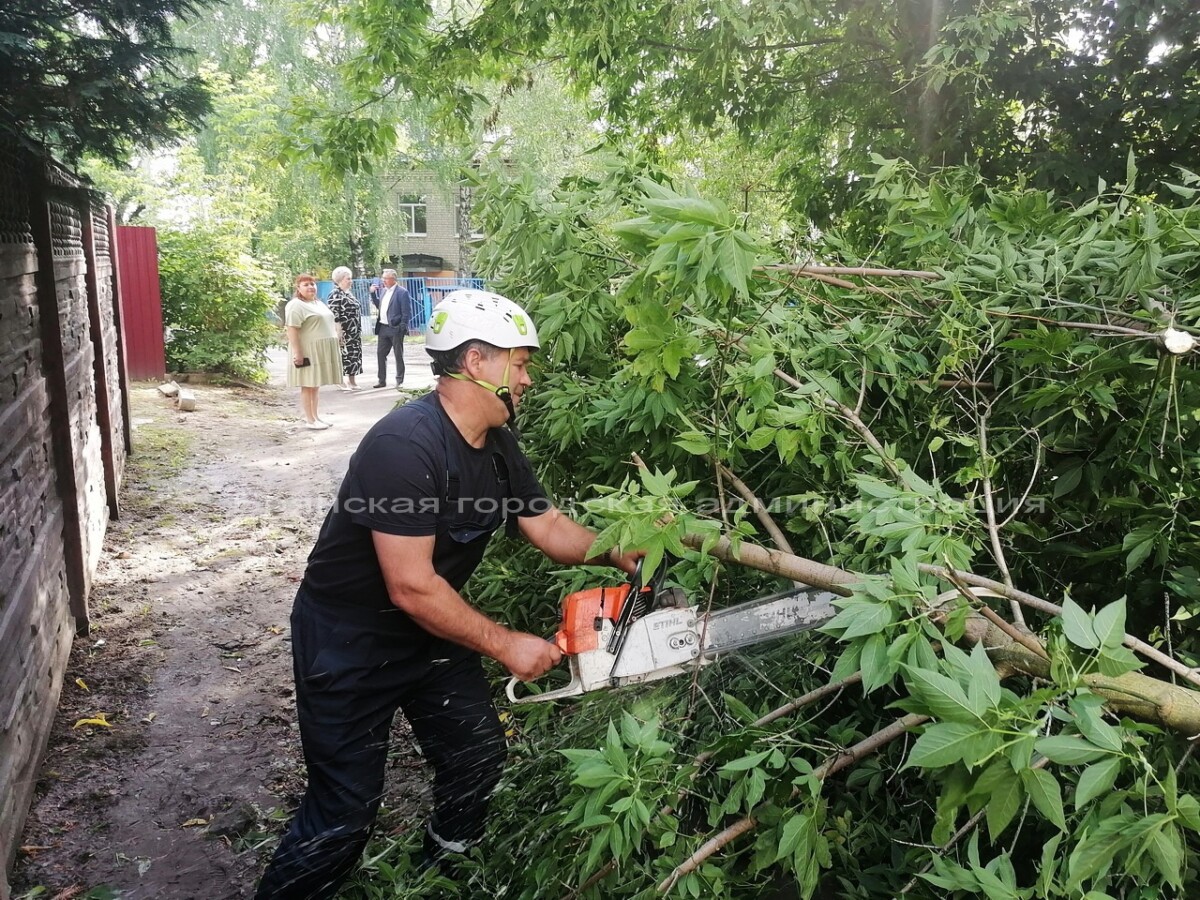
x,y
188,659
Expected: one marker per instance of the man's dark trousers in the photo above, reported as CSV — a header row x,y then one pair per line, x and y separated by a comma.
x,y
351,676
390,338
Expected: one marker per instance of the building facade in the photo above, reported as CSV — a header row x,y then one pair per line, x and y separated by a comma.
x,y
428,234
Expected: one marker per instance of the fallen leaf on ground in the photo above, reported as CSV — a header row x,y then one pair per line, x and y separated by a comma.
x,y
98,719
82,684
192,823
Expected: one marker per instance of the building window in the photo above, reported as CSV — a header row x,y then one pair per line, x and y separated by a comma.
x,y
412,215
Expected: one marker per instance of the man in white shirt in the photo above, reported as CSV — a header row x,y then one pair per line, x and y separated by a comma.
x,y
395,315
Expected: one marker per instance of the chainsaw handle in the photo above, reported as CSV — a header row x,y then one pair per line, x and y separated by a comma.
x,y
573,689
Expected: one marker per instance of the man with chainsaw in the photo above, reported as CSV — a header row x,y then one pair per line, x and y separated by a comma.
x,y
378,622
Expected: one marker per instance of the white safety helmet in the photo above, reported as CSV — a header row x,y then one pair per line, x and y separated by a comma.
x,y
473,315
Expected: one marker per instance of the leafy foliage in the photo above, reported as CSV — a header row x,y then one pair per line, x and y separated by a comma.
x,y
216,303
1054,91
258,61
98,78
666,333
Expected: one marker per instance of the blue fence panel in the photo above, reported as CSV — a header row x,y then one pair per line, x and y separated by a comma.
x,y
425,293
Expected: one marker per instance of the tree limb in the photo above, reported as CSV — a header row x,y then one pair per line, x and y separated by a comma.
x,y
797,568
1025,640
831,766
856,270
756,507
989,507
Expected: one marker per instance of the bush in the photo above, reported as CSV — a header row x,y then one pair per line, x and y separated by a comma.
x,y
217,302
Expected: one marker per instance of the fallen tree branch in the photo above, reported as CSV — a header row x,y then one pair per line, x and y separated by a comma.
x,y
989,508
831,766
757,507
797,568
1111,330
1034,602
791,706
776,562
855,270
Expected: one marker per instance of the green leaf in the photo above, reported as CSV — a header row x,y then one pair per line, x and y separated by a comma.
x,y
1044,791
1097,779
749,761
1116,661
1188,810
760,438
791,835
1005,800
874,663
1109,624
1139,553
940,696
1088,710
1068,480
1069,749
944,744
985,682
1048,869
859,618
1099,848
1077,626
693,442
1165,847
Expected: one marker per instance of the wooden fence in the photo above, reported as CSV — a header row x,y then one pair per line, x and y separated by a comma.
x,y
64,439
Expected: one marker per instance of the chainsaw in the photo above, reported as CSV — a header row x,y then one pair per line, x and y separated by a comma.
x,y
635,633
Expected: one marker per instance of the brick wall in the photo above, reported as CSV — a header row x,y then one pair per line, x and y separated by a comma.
x,y
64,439
442,214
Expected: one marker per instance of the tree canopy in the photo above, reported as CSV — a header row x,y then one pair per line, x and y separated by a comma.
x,y
99,78
1054,91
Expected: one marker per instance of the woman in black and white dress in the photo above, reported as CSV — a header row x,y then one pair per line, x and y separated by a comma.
x,y
346,313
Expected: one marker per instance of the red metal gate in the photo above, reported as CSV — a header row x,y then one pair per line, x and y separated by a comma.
x,y
141,302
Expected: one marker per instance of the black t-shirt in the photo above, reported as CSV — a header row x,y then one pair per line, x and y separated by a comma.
x,y
414,474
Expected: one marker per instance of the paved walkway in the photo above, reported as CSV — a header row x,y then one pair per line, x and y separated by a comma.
x,y
351,414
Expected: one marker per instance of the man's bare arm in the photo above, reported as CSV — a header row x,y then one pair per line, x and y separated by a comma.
x,y
566,541
414,586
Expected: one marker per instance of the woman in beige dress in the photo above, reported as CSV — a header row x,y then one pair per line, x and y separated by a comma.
x,y
313,347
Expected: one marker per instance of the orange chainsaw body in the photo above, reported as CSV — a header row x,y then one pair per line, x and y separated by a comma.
x,y
582,614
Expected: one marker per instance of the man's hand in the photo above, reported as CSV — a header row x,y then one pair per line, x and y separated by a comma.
x,y
528,656
627,561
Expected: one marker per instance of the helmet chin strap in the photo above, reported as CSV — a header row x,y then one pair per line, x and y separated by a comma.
x,y
502,391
